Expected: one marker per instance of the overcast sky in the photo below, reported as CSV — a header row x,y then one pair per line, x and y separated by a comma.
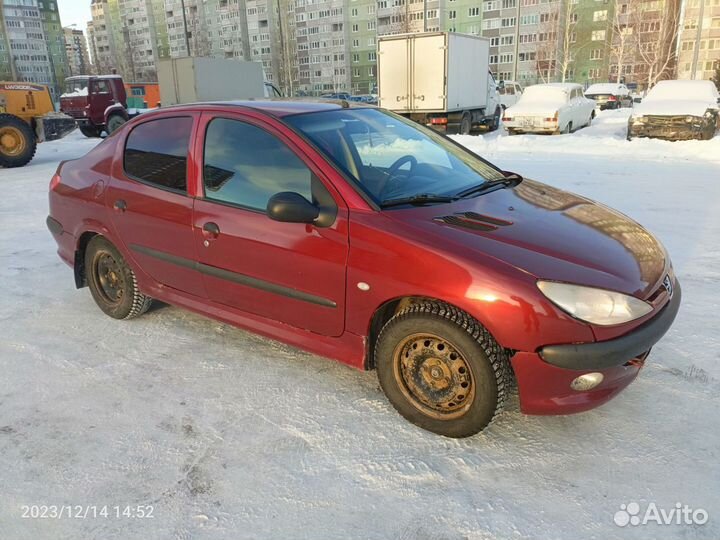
x,y
75,12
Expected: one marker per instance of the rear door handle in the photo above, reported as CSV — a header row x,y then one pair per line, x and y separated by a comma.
x,y
211,230
120,205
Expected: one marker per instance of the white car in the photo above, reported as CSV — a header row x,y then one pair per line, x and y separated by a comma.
x,y
550,108
510,93
677,110
609,95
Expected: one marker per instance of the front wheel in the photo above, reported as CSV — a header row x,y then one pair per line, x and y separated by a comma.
x,y
17,141
441,369
112,282
496,119
114,123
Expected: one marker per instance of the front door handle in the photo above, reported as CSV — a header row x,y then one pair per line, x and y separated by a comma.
x,y
120,205
211,230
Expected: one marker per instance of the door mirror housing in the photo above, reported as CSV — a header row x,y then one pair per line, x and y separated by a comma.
x,y
637,100
291,207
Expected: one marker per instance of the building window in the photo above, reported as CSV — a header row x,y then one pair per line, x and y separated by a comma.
x,y
473,11
600,15
598,35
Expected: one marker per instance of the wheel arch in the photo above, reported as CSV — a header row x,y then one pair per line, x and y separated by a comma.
x,y
388,309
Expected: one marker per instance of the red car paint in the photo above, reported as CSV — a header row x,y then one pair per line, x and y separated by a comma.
x,y
540,233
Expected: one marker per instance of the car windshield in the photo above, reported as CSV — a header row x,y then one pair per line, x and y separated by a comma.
x,y
390,157
78,87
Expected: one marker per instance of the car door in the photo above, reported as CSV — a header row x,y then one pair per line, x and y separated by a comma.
x,y
288,272
148,201
101,98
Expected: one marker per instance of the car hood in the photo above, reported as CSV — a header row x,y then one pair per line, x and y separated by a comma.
x,y
547,232
674,107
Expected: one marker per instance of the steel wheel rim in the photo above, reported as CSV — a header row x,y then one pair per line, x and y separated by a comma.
x,y
12,143
110,278
433,376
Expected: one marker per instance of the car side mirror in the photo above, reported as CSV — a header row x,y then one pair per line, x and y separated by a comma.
x,y
637,100
291,207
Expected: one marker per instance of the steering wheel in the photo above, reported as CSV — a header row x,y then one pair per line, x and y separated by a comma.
x,y
393,169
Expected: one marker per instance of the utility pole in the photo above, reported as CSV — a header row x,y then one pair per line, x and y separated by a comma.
x,y
698,36
517,40
185,28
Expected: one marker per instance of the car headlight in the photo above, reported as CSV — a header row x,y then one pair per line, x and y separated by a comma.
x,y
689,119
596,306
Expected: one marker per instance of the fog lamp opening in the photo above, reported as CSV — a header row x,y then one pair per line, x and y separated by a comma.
x,y
586,382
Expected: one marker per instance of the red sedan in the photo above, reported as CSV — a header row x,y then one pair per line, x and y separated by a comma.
x,y
353,233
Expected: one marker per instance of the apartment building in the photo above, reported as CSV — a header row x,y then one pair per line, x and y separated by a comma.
x,y
699,40
76,51
32,43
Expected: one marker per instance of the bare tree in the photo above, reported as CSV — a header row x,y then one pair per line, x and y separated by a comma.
x,y
657,39
623,39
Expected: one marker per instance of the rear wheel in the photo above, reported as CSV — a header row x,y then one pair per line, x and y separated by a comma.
x,y
465,124
568,128
114,122
112,282
496,119
441,369
17,141
90,131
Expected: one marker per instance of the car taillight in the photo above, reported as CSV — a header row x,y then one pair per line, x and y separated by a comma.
x,y
56,179
507,118
612,98
554,118
438,121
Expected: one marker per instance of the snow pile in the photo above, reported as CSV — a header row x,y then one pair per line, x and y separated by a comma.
x,y
677,98
80,92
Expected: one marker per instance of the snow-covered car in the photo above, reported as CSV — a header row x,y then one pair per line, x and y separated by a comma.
x,y
676,111
609,96
550,108
510,93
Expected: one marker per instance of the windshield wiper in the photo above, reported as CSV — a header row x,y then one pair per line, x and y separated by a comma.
x,y
511,180
421,198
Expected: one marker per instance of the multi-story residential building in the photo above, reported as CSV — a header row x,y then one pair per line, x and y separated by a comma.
x,y
100,38
323,46
77,52
699,40
32,45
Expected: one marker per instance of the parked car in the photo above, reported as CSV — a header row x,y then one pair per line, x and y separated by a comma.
x,y
550,108
609,95
357,234
677,110
510,93
337,95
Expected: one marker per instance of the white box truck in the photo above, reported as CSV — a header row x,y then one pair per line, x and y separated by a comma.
x,y
191,79
440,79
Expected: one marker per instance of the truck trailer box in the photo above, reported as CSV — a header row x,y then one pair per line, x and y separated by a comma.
x,y
433,72
188,80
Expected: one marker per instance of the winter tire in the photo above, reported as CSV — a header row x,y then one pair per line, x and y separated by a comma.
x,y
441,369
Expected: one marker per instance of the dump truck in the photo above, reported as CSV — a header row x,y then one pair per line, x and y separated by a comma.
x,y
440,79
28,117
97,102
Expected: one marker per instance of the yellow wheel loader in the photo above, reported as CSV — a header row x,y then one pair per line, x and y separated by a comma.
x,y
28,117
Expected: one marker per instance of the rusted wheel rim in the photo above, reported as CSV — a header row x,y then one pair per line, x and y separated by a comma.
x,y
109,275
12,142
434,376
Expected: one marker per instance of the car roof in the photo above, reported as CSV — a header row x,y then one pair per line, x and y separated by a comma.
x,y
277,107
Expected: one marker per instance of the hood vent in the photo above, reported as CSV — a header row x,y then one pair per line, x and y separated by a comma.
x,y
473,221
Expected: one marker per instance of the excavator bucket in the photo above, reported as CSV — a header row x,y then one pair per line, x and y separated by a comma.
x,y
53,126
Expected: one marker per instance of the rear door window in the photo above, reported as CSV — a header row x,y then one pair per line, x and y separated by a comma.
x,y
156,152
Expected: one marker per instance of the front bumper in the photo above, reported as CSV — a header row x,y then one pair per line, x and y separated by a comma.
x,y
544,377
672,128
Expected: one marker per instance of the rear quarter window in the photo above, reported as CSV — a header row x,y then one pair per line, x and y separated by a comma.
x,y
156,152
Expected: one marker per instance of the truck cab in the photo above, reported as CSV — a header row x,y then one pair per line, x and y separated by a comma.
x,y
98,103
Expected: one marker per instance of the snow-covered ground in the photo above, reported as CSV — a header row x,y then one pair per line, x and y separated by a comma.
x,y
231,436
